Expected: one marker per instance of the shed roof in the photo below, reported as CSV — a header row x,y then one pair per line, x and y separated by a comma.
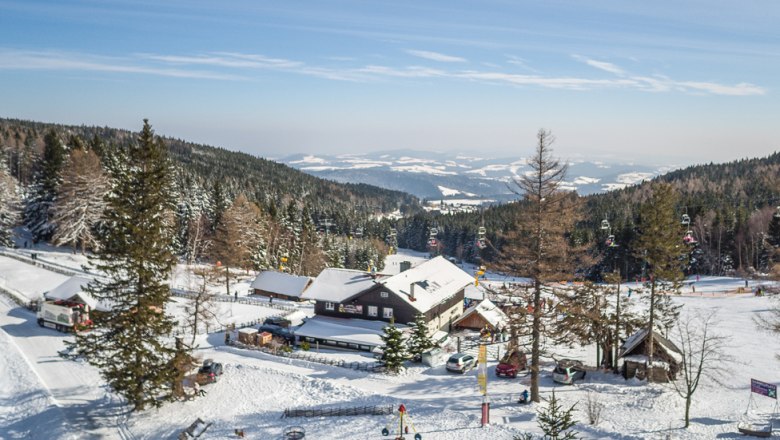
x,y
281,283
72,288
634,340
434,281
491,313
352,331
338,285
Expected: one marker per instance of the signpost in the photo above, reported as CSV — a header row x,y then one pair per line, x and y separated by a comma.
x,y
763,388
482,380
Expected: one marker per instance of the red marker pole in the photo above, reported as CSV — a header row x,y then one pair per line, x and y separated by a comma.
x,y
485,411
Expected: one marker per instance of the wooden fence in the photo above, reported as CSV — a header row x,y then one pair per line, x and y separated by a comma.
x,y
376,410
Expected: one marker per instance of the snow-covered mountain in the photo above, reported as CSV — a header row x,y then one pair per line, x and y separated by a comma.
x,y
430,175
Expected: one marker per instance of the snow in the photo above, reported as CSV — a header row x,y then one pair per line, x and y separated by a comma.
x,y
45,396
446,192
489,312
281,283
337,285
426,169
353,331
434,281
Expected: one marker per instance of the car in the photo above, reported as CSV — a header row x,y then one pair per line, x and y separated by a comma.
x,y
512,363
210,371
460,363
568,371
277,321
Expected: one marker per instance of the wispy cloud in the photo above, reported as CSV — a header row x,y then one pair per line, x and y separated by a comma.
x,y
435,56
67,61
243,66
661,83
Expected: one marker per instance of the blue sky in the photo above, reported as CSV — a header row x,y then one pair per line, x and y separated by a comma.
x,y
664,82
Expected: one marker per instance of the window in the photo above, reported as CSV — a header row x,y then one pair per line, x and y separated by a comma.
x,y
330,306
387,312
373,311
384,294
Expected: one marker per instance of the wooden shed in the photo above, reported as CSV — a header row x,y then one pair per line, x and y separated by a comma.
x,y
485,314
247,336
666,358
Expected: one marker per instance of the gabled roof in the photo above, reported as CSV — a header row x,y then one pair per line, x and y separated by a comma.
x,y
281,283
634,340
434,281
353,331
72,289
490,312
338,285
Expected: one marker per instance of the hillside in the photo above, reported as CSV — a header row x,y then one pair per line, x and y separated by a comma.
x,y
266,181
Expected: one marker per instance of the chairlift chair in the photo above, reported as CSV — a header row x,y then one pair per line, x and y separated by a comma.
x,y
481,231
688,238
605,224
434,232
777,213
686,219
358,232
432,242
481,243
611,241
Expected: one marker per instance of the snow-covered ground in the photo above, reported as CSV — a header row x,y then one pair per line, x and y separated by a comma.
x,y
45,396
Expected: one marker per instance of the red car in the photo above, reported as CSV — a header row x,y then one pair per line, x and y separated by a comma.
x,y
507,370
510,365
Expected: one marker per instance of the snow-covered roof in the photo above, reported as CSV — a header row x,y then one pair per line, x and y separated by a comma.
x,y
72,288
352,331
338,285
434,281
634,340
490,312
281,283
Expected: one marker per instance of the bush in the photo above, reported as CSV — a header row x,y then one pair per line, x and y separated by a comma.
x,y
305,346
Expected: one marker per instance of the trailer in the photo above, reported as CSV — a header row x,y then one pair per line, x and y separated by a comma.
x,y
63,315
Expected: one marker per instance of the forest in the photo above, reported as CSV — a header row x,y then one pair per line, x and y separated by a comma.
x,y
54,178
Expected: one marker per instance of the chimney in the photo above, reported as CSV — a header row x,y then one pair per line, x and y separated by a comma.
x,y
411,292
405,265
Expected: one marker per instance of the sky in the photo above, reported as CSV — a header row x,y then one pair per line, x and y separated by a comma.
x,y
663,82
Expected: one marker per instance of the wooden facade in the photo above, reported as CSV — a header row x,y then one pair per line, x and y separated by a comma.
x,y
635,360
373,304
276,295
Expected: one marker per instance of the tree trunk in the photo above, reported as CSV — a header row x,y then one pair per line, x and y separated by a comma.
x,y
688,409
535,336
650,331
617,329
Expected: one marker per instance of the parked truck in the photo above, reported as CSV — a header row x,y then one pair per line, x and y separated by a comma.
x,y
64,316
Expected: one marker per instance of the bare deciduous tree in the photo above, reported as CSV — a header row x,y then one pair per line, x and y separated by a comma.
x,y
703,356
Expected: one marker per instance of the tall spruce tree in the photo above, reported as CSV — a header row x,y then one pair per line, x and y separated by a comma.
x,y
130,343
539,248
660,245
9,202
38,210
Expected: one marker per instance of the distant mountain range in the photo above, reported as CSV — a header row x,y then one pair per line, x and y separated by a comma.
x,y
452,176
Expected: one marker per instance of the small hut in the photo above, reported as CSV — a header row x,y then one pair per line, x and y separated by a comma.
x,y
483,315
667,358
280,285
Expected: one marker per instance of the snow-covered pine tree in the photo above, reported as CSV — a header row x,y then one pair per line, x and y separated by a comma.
x,y
9,202
37,211
394,352
419,341
80,202
555,421
130,344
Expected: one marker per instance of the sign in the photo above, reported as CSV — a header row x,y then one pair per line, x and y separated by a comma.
x,y
763,388
482,369
351,308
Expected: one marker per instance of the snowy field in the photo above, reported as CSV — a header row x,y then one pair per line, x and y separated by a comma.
x,y
45,396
